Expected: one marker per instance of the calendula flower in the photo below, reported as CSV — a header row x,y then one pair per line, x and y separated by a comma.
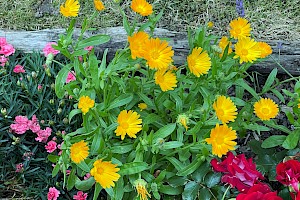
x,y
265,109
239,28
221,139
85,103
142,7
99,5
199,61
246,49
223,44
79,151
165,79
299,103
105,173
183,120
70,9
210,24
128,123
140,186
157,53
142,106
136,44
264,48
225,109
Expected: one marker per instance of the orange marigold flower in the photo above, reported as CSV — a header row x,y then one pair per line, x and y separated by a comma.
x,y
70,9
85,103
264,49
199,61
128,123
225,109
79,151
165,79
136,44
240,28
99,5
142,7
246,49
223,44
265,109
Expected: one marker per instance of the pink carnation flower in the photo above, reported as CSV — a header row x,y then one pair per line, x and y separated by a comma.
x,y
53,193
87,176
89,48
49,49
43,135
70,77
80,196
3,60
2,41
19,167
19,69
34,125
7,49
21,124
40,87
51,146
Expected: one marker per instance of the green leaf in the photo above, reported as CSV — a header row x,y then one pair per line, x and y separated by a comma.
x,y
60,81
55,170
82,165
93,68
150,118
292,140
278,95
270,80
212,179
120,101
71,179
190,191
126,24
85,184
98,142
273,141
256,127
279,127
146,99
97,191
176,163
166,189
164,132
243,84
172,145
52,158
121,149
204,194
79,52
133,168
191,167
93,41
73,113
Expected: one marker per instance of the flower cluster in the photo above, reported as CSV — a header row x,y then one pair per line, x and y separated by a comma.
x,y
6,50
257,192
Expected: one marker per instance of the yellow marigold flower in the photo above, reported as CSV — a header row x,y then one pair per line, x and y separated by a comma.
x,y
239,28
79,151
99,5
246,49
183,120
210,24
85,103
221,139
142,106
264,48
105,173
136,44
199,62
140,186
157,53
70,9
165,79
225,109
142,7
299,103
265,109
223,44
128,123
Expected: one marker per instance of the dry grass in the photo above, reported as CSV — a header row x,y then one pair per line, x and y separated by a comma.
x,y
270,19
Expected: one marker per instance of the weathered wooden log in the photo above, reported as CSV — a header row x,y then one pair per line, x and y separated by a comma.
x,y
288,55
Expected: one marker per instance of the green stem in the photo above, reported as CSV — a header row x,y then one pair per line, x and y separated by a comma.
x,y
279,83
223,198
286,71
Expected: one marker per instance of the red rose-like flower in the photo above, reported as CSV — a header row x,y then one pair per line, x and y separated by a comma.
x,y
288,173
238,171
259,191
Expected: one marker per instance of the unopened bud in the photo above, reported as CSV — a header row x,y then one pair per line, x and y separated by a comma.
x,y
3,111
51,101
65,120
59,111
51,122
49,59
34,74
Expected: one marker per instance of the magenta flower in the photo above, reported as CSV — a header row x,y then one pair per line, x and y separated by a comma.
x,y
51,146
89,48
2,41
53,193
49,49
19,167
3,60
43,135
70,77
80,196
19,69
7,50
40,87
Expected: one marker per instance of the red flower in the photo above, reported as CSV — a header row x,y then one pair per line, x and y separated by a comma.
x,y
295,196
238,171
288,173
259,191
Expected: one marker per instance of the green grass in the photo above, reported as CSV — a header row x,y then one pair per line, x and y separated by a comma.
x,y
272,20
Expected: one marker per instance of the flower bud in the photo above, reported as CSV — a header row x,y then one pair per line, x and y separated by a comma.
x,y
49,59
3,111
48,71
28,77
52,86
51,101
51,122
34,74
65,120
183,120
18,83
59,111
216,48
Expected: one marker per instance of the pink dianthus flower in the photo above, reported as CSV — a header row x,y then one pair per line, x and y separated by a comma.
x,y
80,196
20,125
89,48
49,49
2,41
19,69
43,135
51,146
53,193
70,77
3,60
7,50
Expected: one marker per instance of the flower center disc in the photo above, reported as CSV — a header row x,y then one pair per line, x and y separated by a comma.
x,y
265,111
244,52
124,125
220,112
100,170
238,31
